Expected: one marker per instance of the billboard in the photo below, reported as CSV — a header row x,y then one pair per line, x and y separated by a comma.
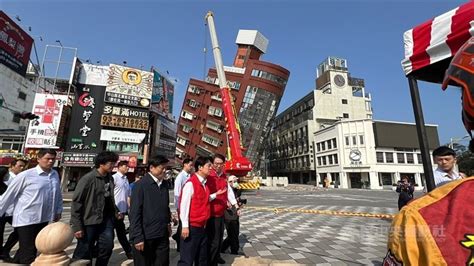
x,y
84,131
129,86
15,45
163,93
43,132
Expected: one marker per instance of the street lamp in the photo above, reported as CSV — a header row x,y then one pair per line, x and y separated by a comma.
x,y
456,140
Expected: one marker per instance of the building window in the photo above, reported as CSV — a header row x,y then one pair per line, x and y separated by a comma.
x,y
335,159
418,157
268,76
379,157
16,118
210,140
389,157
187,128
361,139
347,141
345,115
323,146
330,159
194,89
354,140
324,160
319,161
401,157
410,158
215,111
318,146
334,145
344,101
22,95
329,144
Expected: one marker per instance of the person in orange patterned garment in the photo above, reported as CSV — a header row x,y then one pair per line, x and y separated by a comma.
x,y
438,228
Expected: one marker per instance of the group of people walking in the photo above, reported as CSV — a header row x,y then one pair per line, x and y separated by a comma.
x,y
206,201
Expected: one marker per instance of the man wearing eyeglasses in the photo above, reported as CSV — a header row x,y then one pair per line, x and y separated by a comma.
x,y
217,180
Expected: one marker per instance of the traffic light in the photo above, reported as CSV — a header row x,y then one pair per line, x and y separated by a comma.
x,y
28,115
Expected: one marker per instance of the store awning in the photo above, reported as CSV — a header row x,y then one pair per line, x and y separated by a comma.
x,y
430,46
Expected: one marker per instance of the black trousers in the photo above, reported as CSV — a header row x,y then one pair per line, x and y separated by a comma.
x,y
215,233
155,253
194,248
12,238
26,253
122,235
232,239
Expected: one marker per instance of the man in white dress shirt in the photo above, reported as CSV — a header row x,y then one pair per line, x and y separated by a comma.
x,y
194,211
445,158
121,193
36,198
181,179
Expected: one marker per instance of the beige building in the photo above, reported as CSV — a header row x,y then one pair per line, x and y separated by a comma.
x,y
337,96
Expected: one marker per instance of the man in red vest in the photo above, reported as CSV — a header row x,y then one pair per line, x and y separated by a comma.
x,y
217,181
194,211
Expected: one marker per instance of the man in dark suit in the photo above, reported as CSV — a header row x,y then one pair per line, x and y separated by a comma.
x,y
150,216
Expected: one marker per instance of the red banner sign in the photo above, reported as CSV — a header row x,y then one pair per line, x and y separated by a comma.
x,y
15,45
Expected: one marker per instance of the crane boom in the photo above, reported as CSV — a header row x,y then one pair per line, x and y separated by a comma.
x,y
237,164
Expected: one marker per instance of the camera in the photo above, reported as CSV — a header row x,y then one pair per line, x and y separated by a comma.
x,y
242,201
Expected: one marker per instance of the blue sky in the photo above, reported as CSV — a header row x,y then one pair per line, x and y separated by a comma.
x,y
171,35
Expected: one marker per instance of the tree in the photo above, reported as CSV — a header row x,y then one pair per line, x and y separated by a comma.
x,y
466,163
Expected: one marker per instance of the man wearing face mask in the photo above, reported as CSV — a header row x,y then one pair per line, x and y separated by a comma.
x,y
231,220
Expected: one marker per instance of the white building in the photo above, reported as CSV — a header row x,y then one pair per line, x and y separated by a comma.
x,y
17,93
370,154
337,96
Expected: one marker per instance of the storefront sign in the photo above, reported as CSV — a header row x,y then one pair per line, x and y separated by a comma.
x,y
15,45
43,132
124,122
129,86
84,131
121,136
125,111
78,159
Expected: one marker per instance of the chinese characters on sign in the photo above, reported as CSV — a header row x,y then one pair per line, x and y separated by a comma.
x,y
78,159
125,111
129,86
124,122
43,132
15,45
84,129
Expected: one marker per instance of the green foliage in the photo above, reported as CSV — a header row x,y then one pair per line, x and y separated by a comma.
x,y
466,163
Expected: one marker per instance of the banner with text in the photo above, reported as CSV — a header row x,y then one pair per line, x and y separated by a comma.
x,y
129,86
15,45
43,132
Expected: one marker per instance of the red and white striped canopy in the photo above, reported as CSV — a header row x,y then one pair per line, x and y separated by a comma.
x,y
430,46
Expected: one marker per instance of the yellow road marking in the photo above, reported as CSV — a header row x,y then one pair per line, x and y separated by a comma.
x,y
326,212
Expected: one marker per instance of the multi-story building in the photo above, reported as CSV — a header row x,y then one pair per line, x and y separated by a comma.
x,y
256,87
337,96
370,154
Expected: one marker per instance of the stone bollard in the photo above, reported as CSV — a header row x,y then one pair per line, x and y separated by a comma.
x,y
51,243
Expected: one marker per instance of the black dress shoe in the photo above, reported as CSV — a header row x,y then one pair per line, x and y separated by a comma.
x,y
220,261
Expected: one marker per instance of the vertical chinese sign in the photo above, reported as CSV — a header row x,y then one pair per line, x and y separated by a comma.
x,y
84,131
43,132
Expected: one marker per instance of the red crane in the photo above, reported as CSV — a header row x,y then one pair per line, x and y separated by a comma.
x,y
236,164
